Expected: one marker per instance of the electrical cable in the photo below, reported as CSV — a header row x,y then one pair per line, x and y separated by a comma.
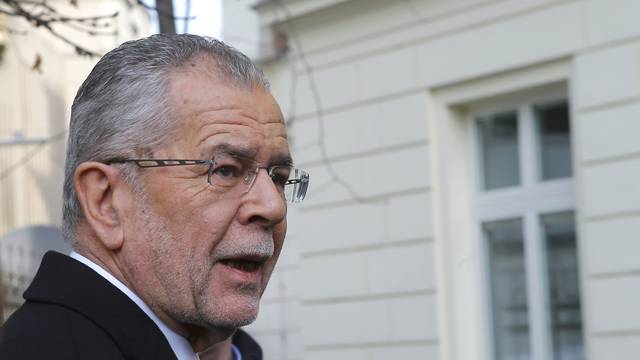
x,y
308,69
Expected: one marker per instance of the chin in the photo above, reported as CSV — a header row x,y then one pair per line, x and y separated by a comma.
x,y
233,313
231,321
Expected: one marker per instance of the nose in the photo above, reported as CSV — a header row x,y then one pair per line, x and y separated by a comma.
x,y
263,203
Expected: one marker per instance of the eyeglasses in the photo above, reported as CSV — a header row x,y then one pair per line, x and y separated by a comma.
x,y
231,172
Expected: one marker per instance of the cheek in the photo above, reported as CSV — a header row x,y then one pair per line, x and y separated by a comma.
x,y
207,225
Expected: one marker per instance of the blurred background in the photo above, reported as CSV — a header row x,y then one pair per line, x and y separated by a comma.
x,y
475,166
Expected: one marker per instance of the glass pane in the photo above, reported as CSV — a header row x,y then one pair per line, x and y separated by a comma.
x,y
508,289
554,141
499,145
564,291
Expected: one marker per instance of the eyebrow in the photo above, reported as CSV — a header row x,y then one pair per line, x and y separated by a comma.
x,y
235,150
250,153
282,160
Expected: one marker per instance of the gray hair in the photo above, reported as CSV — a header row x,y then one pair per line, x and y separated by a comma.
x,y
121,107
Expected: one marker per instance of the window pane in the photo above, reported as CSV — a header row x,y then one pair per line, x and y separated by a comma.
x,y
499,146
554,140
508,289
564,292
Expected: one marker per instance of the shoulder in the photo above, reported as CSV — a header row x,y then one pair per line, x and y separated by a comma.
x,y
44,330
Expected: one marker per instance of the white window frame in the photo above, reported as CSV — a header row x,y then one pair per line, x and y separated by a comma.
x,y
528,201
463,329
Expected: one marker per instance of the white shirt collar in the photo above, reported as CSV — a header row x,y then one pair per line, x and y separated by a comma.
x,y
179,344
236,353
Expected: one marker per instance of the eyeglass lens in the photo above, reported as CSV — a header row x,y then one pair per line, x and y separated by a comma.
x,y
230,171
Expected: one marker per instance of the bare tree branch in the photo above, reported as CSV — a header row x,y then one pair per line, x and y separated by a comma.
x,y
41,14
166,23
162,12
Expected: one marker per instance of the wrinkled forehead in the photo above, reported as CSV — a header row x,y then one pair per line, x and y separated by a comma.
x,y
212,111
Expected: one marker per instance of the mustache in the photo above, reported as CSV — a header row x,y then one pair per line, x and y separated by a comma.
x,y
260,249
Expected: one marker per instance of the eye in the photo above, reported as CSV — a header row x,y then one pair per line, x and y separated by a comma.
x,y
227,171
280,175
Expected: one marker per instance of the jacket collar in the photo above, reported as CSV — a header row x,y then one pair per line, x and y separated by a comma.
x,y
66,282
248,347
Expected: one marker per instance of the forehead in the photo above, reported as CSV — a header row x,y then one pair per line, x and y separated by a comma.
x,y
211,110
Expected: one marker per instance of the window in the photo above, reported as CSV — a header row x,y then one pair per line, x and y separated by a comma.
x,y
552,125
499,139
509,293
527,227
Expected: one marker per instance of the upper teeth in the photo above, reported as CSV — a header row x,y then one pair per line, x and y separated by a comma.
x,y
243,265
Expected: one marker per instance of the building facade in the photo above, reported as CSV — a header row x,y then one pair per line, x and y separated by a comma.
x,y
475,173
40,75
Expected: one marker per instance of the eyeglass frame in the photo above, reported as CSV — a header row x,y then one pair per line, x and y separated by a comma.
x,y
154,163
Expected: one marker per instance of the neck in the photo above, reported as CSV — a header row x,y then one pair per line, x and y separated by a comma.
x,y
210,347
214,343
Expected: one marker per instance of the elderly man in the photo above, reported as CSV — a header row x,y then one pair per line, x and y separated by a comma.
x,y
178,175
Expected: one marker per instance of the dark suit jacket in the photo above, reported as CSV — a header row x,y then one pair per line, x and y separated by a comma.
x,y
71,312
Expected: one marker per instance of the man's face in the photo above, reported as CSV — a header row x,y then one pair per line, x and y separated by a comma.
x,y
201,254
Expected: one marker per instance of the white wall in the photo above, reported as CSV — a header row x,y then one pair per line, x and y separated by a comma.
x,y
241,27
37,104
373,275
608,106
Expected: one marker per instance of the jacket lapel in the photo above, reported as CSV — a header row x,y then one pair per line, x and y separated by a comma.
x,y
64,281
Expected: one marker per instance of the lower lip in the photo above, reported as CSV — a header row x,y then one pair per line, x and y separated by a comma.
x,y
243,276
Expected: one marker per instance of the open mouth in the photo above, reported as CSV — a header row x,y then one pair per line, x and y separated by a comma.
x,y
243,265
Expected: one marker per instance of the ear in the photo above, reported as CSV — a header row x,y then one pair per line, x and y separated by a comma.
x,y
99,191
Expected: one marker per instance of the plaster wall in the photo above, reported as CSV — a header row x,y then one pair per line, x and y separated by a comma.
x,y
369,272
